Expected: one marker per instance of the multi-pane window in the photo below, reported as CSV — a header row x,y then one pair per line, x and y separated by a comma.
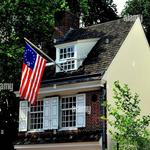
x,y
68,113
66,58
68,65
36,116
66,53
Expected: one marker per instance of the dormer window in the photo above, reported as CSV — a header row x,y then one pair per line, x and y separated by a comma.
x,y
66,57
70,56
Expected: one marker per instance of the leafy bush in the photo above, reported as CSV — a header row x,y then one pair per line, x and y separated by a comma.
x,y
129,129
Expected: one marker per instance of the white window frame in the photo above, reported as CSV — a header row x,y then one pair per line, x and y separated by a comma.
x,y
65,62
37,118
80,119
69,109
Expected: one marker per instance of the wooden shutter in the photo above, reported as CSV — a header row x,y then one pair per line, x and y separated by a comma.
x,y
50,113
23,115
80,110
54,111
46,113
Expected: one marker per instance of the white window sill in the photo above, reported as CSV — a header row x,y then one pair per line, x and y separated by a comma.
x,y
68,128
35,130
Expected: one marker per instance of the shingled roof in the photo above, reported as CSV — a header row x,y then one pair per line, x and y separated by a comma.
x,y
111,34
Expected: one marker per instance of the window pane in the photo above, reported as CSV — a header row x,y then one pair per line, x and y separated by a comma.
x,y
68,116
64,50
71,124
67,124
61,51
69,50
72,54
74,123
68,65
63,125
73,66
61,56
70,105
72,49
65,55
69,55
67,100
63,106
65,68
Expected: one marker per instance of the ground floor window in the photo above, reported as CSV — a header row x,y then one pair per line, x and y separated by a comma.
x,y
36,116
68,113
51,113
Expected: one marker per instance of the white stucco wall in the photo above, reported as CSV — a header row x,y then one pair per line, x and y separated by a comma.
x,y
131,66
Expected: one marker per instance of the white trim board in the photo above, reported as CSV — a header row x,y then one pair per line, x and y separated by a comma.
x,y
69,88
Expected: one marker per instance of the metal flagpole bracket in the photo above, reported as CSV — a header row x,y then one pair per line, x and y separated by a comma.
x,y
46,56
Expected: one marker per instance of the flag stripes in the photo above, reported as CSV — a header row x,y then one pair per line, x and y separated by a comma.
x,y
32,72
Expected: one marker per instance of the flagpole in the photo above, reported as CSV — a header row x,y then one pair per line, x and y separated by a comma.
x,y
48,58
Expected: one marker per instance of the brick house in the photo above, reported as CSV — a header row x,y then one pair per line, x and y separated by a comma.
x,y
68,108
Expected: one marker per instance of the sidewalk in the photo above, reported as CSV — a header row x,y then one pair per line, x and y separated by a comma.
x,y
61,146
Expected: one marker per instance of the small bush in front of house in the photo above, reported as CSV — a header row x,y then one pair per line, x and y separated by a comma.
x,y
129,130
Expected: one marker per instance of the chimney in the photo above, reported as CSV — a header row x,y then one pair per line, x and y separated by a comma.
x,y
63,22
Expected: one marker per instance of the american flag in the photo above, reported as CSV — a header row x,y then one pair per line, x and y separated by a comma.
x,y
32,72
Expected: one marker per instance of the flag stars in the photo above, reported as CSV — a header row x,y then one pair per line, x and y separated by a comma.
x,y
28,63
30,57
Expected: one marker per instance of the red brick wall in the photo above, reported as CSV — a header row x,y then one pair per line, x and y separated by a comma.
x,y
90,132
93,121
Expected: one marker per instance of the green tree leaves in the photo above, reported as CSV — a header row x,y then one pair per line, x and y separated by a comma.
x,y
33,19
93,11
129,130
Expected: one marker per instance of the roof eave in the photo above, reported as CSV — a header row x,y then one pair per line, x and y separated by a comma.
x,y
74,79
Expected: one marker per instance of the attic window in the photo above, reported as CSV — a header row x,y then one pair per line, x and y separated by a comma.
x,y
67,58
66,53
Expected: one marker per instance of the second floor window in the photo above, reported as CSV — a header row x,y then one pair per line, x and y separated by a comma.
x,y
67,58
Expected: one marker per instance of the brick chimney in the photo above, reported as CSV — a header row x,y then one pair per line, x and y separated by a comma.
x,y
63,22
